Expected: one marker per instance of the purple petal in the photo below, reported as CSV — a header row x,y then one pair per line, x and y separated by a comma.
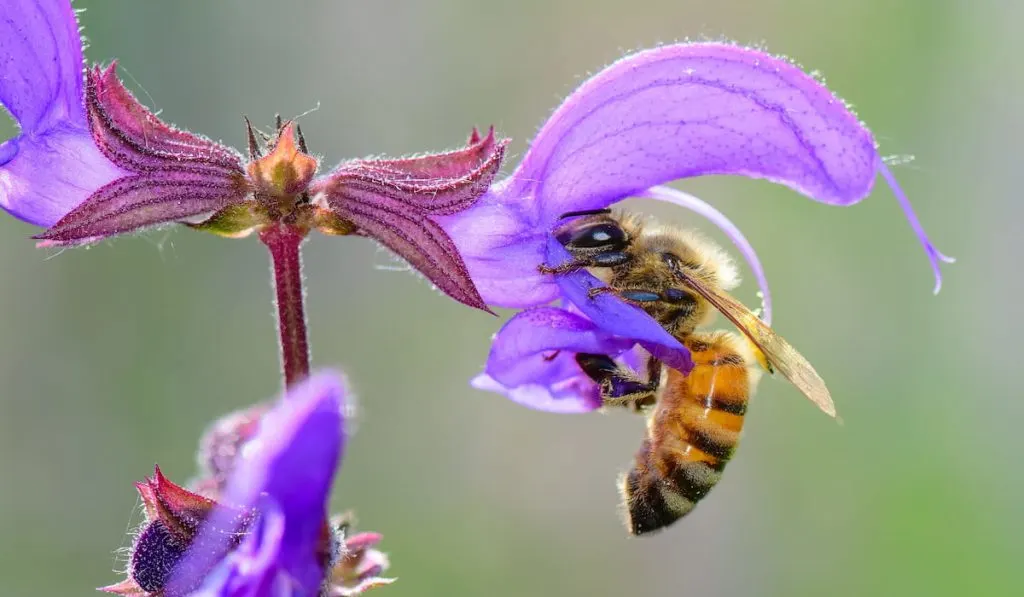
x,y
614,316
571,395
695,109
41,64
139,201
290,464
532,360
502,249
735,235
536,332
252,569
52,174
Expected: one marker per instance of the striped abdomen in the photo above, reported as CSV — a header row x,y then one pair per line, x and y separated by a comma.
x,y
692,432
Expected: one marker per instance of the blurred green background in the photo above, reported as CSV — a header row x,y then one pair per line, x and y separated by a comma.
x,y
116,357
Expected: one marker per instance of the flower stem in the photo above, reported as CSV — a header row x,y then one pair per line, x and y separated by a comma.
x,y
284,243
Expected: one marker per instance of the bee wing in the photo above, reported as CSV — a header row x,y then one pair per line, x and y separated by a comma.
x,y
776,351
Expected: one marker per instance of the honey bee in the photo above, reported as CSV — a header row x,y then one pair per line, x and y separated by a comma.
x,y
693,421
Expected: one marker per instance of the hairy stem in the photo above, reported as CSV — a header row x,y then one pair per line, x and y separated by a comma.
x,y
284,243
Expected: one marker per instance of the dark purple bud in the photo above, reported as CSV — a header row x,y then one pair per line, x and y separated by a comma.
x,y
173,519
155,554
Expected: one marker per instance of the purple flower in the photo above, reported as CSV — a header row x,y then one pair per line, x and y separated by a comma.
x,y
263,531
286,476
92,162
669,113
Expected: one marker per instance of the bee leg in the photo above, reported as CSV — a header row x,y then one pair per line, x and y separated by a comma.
x,y
633,297
611,395
604,259
620,386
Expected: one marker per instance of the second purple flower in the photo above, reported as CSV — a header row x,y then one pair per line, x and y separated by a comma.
x,y
659,115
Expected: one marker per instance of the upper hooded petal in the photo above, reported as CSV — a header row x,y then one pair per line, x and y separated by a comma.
x,y
693,109
53,165
288,468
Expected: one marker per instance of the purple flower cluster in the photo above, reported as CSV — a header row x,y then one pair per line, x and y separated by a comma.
x,y
674,112
91,162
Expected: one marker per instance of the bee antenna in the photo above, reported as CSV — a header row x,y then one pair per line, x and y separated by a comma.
x,y
586,212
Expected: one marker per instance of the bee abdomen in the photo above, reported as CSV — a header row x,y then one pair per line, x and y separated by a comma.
x,y
693,480
649,500
648,506
694,431
711,439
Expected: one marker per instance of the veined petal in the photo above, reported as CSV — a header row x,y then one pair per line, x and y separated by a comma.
x,y
41,64
614,316
437,184
404,203
532,360
49,175
290,464
414,237
135,139
139,201
449,164
731,230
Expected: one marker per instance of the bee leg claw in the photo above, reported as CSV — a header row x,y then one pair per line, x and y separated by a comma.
x,y
565,268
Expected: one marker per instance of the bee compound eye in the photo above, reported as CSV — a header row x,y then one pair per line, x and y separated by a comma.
x,y
604,235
